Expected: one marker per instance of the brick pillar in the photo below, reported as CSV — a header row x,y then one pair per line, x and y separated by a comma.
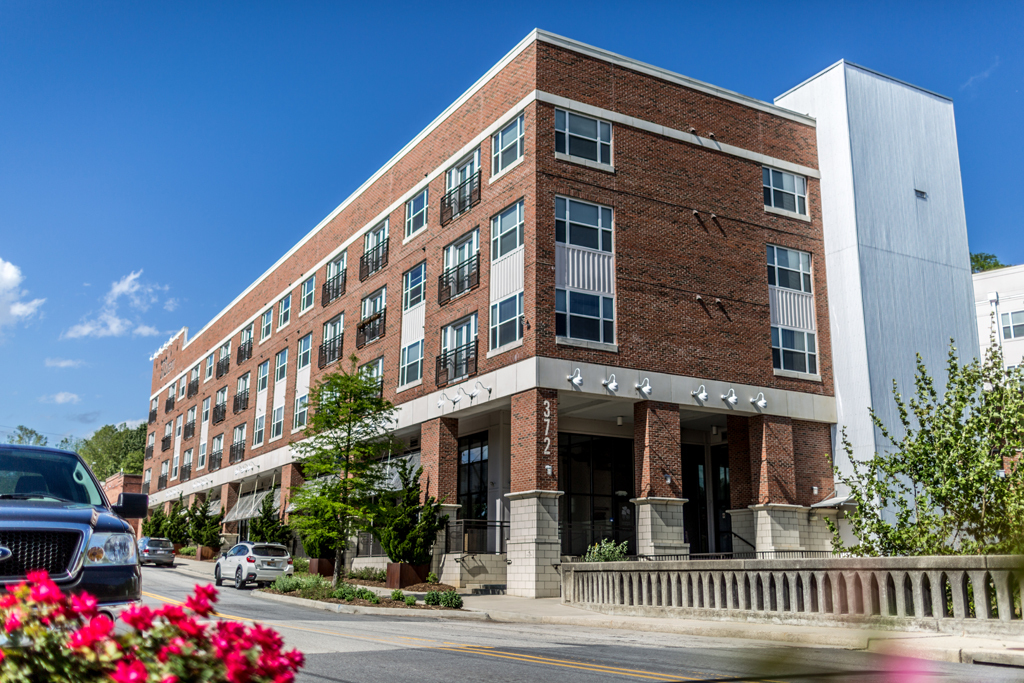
x,y
439,456
533,546
657,457
777,518
741,495
291,478
228,499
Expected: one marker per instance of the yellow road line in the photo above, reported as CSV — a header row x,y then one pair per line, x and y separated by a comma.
x,y
614,669
652,676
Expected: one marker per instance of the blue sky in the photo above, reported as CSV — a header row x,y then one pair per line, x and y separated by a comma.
x,y
155,158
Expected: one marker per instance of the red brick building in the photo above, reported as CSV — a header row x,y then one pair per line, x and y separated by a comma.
x,y
119,483
623,338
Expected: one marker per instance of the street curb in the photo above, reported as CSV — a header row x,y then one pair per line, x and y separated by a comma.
x,y
374,611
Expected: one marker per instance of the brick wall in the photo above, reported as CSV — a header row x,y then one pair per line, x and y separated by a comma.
x,y
535,440
439,457
737,434
656,448
812,459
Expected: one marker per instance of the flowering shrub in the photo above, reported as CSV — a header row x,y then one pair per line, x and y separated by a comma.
x,y
55,637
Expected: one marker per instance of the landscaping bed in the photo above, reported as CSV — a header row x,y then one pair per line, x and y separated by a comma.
x,y
316,587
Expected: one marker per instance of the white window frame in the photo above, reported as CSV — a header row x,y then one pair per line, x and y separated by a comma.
x,y
417,291
308,294
284,311
246,335
375,368
147,476
222,396
337,265
496,323
563,298
165,467
414,215
225,350
182,384
238,435
281,365
564,224
209,368
411,364
217,446
201,460
305,354
206,409
174,467
1008,322
367,306
300,415
258,429
266,324
277,423
191,416
809,355
453,176
242,384
177,427
172,389
186,460
564,137
517,144
774,187
803,266
262,376
334,327
376,236
497,234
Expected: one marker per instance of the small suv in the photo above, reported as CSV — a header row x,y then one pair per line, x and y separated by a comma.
x,y
158,551
258,562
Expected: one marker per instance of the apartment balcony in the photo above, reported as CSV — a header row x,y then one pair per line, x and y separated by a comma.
x,y
193,388
244,352
190,429
223,365
149,451
152,416
456,364
169,404
165,443
237,453
220,411
241,401
458,279
373,260
161,483
370,329
330,351
215,460
185,473
333,288
460,199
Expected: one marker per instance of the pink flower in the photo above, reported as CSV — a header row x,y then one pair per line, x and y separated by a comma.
x,y
296,658
8,600
191,628
13,621
37,576
169,679
172,648
134,672
138,617
207,591
96,630
237,667
285,677
173,613
84,604
199,604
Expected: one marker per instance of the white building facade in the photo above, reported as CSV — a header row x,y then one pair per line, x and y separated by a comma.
x,y
999,305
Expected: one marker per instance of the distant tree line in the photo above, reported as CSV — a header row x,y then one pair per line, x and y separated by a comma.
x,y
109,450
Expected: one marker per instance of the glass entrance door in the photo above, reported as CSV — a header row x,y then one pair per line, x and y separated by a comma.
x,y
596,474
707,524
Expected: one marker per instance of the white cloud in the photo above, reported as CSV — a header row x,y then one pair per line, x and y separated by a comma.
x,y
108,323
12,308
145,331
131,424
171,305
64,363
61,398
981,76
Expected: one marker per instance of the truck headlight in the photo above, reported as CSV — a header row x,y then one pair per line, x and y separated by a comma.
x,y
111,549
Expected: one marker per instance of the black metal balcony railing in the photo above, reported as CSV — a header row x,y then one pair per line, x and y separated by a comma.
x,y
456,364
145,487
186,472
333,288
165,443
458,279
161,483
190,429
223,365
244,352
370,329
149,451
460,198
220,411
237,453
193,388
241,401
169,404
152,416
373,260
476,536
215,460
330,351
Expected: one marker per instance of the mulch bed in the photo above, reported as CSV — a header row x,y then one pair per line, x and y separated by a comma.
x,y
415,588
384,602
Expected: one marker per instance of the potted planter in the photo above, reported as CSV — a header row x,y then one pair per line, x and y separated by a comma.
x,y
177,547
205,552
322,566
401,574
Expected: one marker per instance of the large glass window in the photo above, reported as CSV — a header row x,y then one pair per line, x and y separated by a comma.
x,y
596,474
582,136
789,268
472,494
507,145
584,316
414,286
506,321
1013,325
416,213
507,231
794,350
412,363
582,224
784,190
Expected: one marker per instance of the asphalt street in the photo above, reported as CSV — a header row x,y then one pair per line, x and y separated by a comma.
x,y
343,648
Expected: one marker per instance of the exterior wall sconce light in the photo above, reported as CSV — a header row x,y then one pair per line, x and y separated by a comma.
x,y
668,478
440,401
618,421
760,401
731,398
645,387
479,384
549,470
701,394
610,384
575,378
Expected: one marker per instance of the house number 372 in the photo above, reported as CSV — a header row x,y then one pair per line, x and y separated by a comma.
x,y
547,427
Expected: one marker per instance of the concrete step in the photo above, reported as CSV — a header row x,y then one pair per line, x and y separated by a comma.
x,y
486,588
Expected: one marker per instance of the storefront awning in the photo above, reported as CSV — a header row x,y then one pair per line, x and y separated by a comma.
x,y
838,501
248,505
213,507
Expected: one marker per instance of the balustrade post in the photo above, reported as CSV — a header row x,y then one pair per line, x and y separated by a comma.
x,y
982,607
917,589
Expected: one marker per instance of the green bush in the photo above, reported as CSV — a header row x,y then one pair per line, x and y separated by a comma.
x,y
451,599
397,595
345,592
432,598
187,551
410,600
314,587
368,574
606,551
432,578
374,599
286,584
301,564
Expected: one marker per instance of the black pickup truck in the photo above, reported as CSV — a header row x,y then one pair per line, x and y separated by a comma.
x,y
54,516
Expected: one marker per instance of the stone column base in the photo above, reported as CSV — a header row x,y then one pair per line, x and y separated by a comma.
x,y
791,527
659,526
534,547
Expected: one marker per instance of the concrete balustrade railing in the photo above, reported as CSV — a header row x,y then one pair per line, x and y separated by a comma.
x,y
980,595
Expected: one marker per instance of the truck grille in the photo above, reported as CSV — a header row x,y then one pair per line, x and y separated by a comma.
x,y
31,550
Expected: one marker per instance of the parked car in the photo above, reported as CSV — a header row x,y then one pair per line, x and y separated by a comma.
x,y
249,561
158,551
55,516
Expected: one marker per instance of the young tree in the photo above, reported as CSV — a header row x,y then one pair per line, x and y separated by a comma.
x,y
349,431
177,528
953,482
154,524
25,436
204,527
405,527
112,449
267,526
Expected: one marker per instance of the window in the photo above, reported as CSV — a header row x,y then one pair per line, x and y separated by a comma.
x,y
794,350
262,372
790,269
174,467
308,287
201,462
181,387
507,231
218,444
246,334
416,213
414,284
337,266
1013,325
257,430
374,369
583,137
148,476
187,460
167,428
171,389
583,225
301,406
412,363
209,366
239,434
154,403
376,237
374,303
305,351
206,409
506,321
277,423
281,365
194,375
177,427
222,396
784,190
584,316
334,327
243,384
225,350
191,415
163,468
284,311
458,350
460,175
507,146
266,322
152,439
472,476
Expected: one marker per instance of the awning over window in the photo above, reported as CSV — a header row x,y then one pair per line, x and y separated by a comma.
x,y
248,505
213,507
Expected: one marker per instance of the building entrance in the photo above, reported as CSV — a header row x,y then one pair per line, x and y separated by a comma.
x,y
707,525
596,475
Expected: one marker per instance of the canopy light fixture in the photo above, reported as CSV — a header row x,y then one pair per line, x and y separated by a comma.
x,y
575,378
701,394
610,384
440,401
731,398
479,384
760,401
645,387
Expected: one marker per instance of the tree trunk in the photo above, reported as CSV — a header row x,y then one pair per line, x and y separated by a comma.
x,y
339,564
